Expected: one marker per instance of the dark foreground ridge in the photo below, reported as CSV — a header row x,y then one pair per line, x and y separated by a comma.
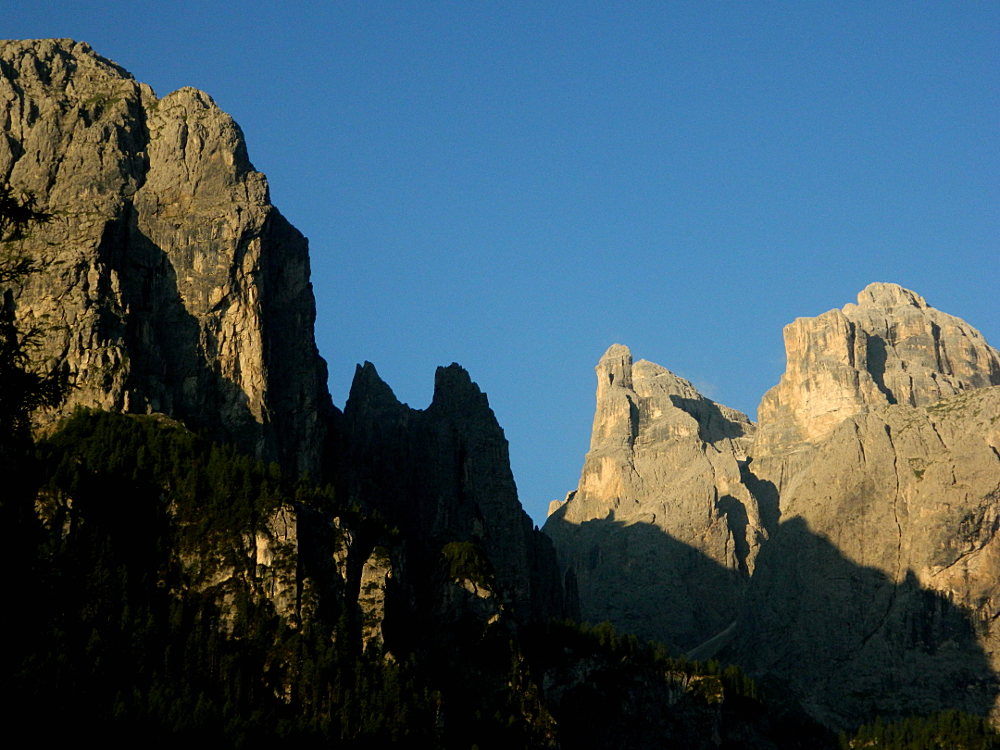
x,y
170,596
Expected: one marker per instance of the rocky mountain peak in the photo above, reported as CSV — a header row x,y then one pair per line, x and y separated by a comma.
x,y
845,546
370,393
171,285
455,391
660,520
891,347
442,474
887,296
614,369
878,446
616,418
649,377
56,63
916,354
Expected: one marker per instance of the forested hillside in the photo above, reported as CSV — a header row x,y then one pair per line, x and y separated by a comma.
x,y
165,601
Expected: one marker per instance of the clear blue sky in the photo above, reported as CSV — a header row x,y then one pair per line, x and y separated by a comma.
x,y
517,185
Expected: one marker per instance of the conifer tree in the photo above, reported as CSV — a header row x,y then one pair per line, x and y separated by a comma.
x,y
22,389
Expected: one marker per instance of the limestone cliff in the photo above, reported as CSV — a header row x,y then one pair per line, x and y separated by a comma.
x,y
877,592
661,533
845,550
172,284
889,348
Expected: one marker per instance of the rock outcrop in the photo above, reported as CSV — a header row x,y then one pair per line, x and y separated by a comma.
x,y
276,556
844,550
443,475
889,348
661,533
376,575
878,593
171,285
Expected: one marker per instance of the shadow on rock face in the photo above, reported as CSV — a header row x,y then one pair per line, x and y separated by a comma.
x,y
849,643
645,582
169,370
766,494
713,425
443,475
841,639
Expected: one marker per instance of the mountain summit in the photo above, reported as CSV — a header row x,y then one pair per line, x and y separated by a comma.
x,y
845,546
172,285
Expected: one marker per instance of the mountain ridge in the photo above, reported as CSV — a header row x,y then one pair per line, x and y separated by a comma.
x,y
854,524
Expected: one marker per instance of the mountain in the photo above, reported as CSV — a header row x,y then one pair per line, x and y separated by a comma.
x,y
172,284
842,549
205,547
878,592
661,534
443,475
174,294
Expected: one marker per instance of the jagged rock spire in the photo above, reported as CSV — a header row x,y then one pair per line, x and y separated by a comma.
x,y
660,532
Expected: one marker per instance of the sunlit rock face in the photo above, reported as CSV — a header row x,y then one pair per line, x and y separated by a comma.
x,y
889,348
661,533
878,590
172,285
844,549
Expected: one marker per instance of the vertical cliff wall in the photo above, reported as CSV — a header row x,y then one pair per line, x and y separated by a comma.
x,y
171,284
844,549
877,593
889,348
661,533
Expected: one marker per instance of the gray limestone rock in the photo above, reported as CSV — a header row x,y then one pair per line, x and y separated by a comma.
x,y
276,556
375,577
171,285
845,551
891,347
875,593
266,563
878,592
661,533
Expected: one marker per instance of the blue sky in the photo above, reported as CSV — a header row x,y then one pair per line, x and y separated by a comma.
x,y
517,185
